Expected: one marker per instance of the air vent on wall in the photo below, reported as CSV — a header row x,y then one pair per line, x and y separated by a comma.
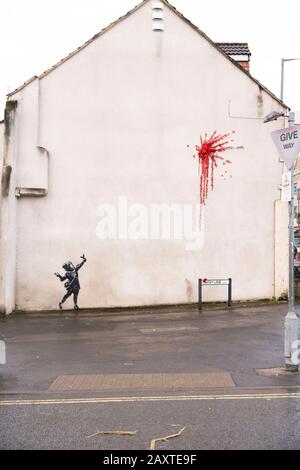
x,y
157,16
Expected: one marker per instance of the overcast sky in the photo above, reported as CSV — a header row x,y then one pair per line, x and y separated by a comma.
x,y
35,34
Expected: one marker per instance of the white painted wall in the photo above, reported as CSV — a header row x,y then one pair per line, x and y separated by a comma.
x,y
8,214
2,309
1,150
116,120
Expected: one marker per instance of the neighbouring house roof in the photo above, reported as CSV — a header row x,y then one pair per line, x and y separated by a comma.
x,y
180,15
234,48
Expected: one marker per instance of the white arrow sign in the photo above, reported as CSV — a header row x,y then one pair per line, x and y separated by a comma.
x,y
287,142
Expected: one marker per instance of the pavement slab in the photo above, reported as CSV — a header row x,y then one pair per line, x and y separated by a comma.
x,y
141,381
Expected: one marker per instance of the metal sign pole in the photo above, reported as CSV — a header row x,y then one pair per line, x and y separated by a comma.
x,y
287,141
291,320
230,292
200,294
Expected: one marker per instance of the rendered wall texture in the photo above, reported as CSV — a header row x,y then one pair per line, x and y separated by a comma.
x,y
116,120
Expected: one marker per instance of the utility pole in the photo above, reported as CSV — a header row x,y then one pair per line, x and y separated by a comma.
x,y
282,74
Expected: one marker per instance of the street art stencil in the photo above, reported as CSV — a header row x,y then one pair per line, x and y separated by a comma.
x,y
72,285
208,154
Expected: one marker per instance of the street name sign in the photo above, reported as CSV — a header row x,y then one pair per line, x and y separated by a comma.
x,y
287,142
216,282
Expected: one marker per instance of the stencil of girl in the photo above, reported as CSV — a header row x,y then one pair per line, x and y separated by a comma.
x,y
72,285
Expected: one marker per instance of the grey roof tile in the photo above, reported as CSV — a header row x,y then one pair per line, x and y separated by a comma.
x,y
234,48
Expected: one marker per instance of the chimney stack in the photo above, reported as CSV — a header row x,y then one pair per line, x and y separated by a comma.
x,y
239,51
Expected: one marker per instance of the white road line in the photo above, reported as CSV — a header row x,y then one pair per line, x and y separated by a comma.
x,y
79,401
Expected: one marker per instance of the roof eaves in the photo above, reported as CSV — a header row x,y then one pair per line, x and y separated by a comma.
x,y
22,86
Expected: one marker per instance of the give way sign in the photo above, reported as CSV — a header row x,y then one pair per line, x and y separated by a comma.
x,y
287,142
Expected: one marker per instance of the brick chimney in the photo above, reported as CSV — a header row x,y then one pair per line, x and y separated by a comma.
x,y
239,51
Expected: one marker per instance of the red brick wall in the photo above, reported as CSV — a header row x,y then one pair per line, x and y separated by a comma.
x,y
245,64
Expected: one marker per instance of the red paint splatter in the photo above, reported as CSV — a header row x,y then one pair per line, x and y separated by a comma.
x,y
208,153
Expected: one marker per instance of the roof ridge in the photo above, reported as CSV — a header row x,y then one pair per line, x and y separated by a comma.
x,y
167,3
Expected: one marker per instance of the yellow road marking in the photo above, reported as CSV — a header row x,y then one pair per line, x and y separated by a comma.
x,y
79,401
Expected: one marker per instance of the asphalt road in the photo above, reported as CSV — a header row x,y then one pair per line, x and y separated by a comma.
x,y
254,412
235,423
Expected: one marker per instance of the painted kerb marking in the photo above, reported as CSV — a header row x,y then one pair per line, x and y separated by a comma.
x,y
80,401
